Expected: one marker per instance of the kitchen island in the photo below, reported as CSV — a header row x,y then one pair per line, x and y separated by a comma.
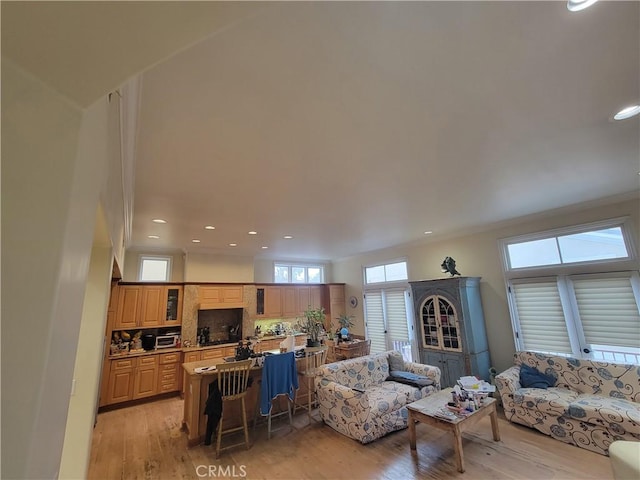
x,y
196,390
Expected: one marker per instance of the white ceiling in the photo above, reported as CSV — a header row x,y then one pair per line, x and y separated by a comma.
x,y
358,126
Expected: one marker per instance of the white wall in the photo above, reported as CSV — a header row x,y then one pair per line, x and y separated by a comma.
x,y
218,268
478,255
51,178
89,360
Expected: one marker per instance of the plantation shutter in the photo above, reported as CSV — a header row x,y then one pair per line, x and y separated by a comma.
x,y
398,331
374,316
542,326
608,311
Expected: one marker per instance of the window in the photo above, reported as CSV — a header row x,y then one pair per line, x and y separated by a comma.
x,y
387,309
570,291
595,316
390,272
154,269
597,242
387,321
298,273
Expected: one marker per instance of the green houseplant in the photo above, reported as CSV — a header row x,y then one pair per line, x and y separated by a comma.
x,y
345,321
313,324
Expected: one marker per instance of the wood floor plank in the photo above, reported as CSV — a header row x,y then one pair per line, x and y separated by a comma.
x,y
146,442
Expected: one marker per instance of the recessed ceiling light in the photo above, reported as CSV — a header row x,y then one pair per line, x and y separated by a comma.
x,y
577,5
158,220
233,244
209,227
264,247
627,112
253,233
288,237
428,232
195,240
153,236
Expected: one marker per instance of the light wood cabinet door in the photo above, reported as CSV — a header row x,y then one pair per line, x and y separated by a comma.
x,y
221,295
290,302
272,301
304,299
153,301
120,381
232,294
113,298
146,377
315,297
128,307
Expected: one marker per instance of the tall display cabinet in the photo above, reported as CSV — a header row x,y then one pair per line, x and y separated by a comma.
x,y
450,327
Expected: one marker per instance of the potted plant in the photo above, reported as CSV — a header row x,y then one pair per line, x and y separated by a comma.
x,y
313,324
345,323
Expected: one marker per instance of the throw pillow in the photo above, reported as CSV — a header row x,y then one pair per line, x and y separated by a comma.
x,y
409,378
396,362
531,377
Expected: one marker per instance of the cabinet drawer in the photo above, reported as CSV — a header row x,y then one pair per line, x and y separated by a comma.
x,y
170,367
191,357
169,358
122,364
213,353
168,377
149,360
168,387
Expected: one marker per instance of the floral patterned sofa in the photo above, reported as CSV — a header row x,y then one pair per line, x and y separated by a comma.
x,y
356,399
591,405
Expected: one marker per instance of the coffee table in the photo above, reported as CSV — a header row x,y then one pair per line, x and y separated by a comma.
x,y
424,411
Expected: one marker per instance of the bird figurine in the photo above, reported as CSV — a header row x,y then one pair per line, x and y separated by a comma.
x,y
449,266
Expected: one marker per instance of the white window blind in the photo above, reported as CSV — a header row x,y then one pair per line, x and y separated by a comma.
x,y
375,321
397,315
608,311
540,318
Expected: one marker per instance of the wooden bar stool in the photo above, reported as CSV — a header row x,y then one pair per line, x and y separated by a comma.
x,y
233,378
279,378
314,358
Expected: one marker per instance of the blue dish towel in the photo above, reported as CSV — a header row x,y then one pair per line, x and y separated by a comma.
x,y
279,375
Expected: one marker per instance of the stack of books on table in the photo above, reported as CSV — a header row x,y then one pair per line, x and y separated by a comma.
x,y
473,384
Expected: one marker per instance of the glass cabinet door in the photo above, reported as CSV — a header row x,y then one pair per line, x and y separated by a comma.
x,y
174,313
440,326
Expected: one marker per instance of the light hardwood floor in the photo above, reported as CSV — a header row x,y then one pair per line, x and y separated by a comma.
x,y
145,442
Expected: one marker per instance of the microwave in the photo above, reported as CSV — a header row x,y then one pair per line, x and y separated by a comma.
x,y
167,341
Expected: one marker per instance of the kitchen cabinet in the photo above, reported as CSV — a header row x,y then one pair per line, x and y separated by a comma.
x,y
145,377
129,305
280,301
169,377
334,305
269,301
120,381
450,324
148,306
151,312
220,296
290,304
173,296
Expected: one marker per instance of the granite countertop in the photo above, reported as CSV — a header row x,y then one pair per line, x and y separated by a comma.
x,y
195,348
141,353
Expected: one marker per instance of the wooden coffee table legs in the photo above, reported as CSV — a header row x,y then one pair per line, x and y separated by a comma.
x,y
456,428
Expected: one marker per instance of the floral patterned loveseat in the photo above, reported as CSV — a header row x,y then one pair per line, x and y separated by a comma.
x,y
356,399
591,405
